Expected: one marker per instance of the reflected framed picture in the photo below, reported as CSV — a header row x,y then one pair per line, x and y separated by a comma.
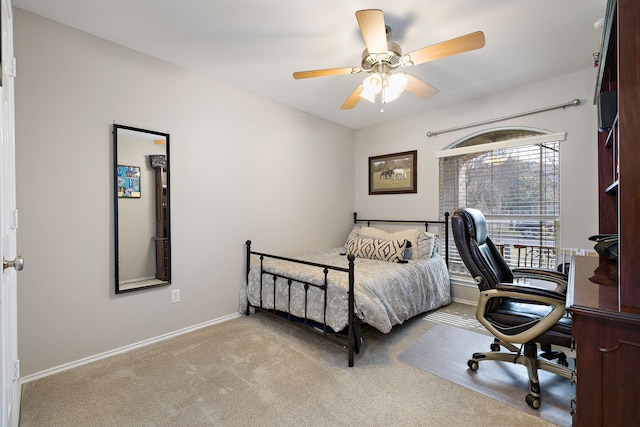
x,y
393,173
129,182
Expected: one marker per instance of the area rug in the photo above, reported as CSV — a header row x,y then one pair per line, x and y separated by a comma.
x,y
444,351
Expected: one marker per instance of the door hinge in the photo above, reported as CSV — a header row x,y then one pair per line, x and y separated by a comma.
x,y
17,373
10,68
13,69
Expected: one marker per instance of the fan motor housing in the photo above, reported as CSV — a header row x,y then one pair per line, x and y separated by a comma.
x,y
391,58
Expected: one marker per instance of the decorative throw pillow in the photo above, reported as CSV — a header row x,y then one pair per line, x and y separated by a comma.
x,y
379,249
436,245
406,254
375,233
425,245
352,234
428,244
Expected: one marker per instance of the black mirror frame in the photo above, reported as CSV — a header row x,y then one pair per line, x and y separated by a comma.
x,y
115,208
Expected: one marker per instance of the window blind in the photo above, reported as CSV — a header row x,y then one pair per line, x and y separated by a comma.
x,y
517,187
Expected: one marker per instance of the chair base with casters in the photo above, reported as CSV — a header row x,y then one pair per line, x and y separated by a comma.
x,y
526,320
528,356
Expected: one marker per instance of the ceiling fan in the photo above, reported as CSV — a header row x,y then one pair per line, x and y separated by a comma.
x,y
382,58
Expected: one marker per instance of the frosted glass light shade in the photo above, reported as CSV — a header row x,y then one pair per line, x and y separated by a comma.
x,y
397,83
372,86
390,86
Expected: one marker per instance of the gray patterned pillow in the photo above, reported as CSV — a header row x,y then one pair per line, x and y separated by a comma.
x,y
427,244
379,249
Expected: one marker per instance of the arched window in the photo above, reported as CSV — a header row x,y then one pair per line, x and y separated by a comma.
x,y
513,176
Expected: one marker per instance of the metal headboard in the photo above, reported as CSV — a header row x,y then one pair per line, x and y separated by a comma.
x,y
426,227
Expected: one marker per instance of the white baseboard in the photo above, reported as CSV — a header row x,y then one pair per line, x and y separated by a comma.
x,y
124,349
464,291
464,301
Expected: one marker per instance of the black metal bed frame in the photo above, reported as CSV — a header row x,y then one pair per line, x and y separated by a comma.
x,y
352,338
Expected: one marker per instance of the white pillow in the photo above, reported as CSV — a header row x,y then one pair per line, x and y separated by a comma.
x,y
410,234
378,249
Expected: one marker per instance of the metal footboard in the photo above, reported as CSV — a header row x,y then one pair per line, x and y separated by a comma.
x,y
350,341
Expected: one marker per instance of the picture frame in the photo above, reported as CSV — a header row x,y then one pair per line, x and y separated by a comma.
x,y
395,173
129,182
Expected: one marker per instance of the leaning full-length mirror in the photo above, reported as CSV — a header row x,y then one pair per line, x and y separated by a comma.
x,y
141,208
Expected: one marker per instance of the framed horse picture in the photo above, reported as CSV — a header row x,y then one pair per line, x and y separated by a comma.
x,y
394,173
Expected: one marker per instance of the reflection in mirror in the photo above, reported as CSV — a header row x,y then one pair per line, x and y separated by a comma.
x,y
141,207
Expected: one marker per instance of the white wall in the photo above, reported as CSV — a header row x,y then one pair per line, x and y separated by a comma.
x,y
578,154
242,167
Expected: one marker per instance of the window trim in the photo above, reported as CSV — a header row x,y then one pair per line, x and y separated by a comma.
x,y
510,143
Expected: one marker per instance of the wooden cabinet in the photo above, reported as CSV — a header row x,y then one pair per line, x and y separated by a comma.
x,y
628,82
607,347
606,318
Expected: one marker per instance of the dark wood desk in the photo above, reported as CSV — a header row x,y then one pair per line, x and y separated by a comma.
x,y
608,350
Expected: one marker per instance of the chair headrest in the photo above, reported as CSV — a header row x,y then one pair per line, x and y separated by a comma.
x,y
476,224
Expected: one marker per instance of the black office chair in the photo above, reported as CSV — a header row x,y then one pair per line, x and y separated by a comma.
x,y
514,314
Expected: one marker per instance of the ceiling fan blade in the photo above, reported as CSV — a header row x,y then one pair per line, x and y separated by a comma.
x,y
420,88
325,72
353,99
460,44
374,33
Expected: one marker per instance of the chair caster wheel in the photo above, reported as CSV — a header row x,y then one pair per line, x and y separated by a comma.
x,y
472,364
495,347
532,401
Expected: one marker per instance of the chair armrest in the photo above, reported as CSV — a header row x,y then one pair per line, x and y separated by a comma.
x,y
543,273
527,291
560,279
529,330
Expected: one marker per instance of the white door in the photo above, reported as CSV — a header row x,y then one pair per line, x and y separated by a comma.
x,y
9,371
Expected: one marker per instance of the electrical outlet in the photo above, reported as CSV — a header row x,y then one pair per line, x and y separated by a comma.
x,y
175,296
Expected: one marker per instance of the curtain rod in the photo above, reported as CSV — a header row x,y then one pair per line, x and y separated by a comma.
x,y
573,103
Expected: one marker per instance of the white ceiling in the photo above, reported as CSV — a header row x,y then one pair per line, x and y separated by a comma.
x,y
257,44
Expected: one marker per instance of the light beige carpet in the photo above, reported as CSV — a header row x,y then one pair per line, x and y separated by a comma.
x,y
256,370
444,351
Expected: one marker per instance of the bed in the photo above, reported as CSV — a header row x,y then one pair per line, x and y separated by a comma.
x,y
378,279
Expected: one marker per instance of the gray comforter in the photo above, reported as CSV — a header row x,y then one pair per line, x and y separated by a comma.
x,y
386,293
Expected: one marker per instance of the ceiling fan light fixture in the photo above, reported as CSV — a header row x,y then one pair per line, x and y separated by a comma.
x,y
372,86
396,84
390,86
